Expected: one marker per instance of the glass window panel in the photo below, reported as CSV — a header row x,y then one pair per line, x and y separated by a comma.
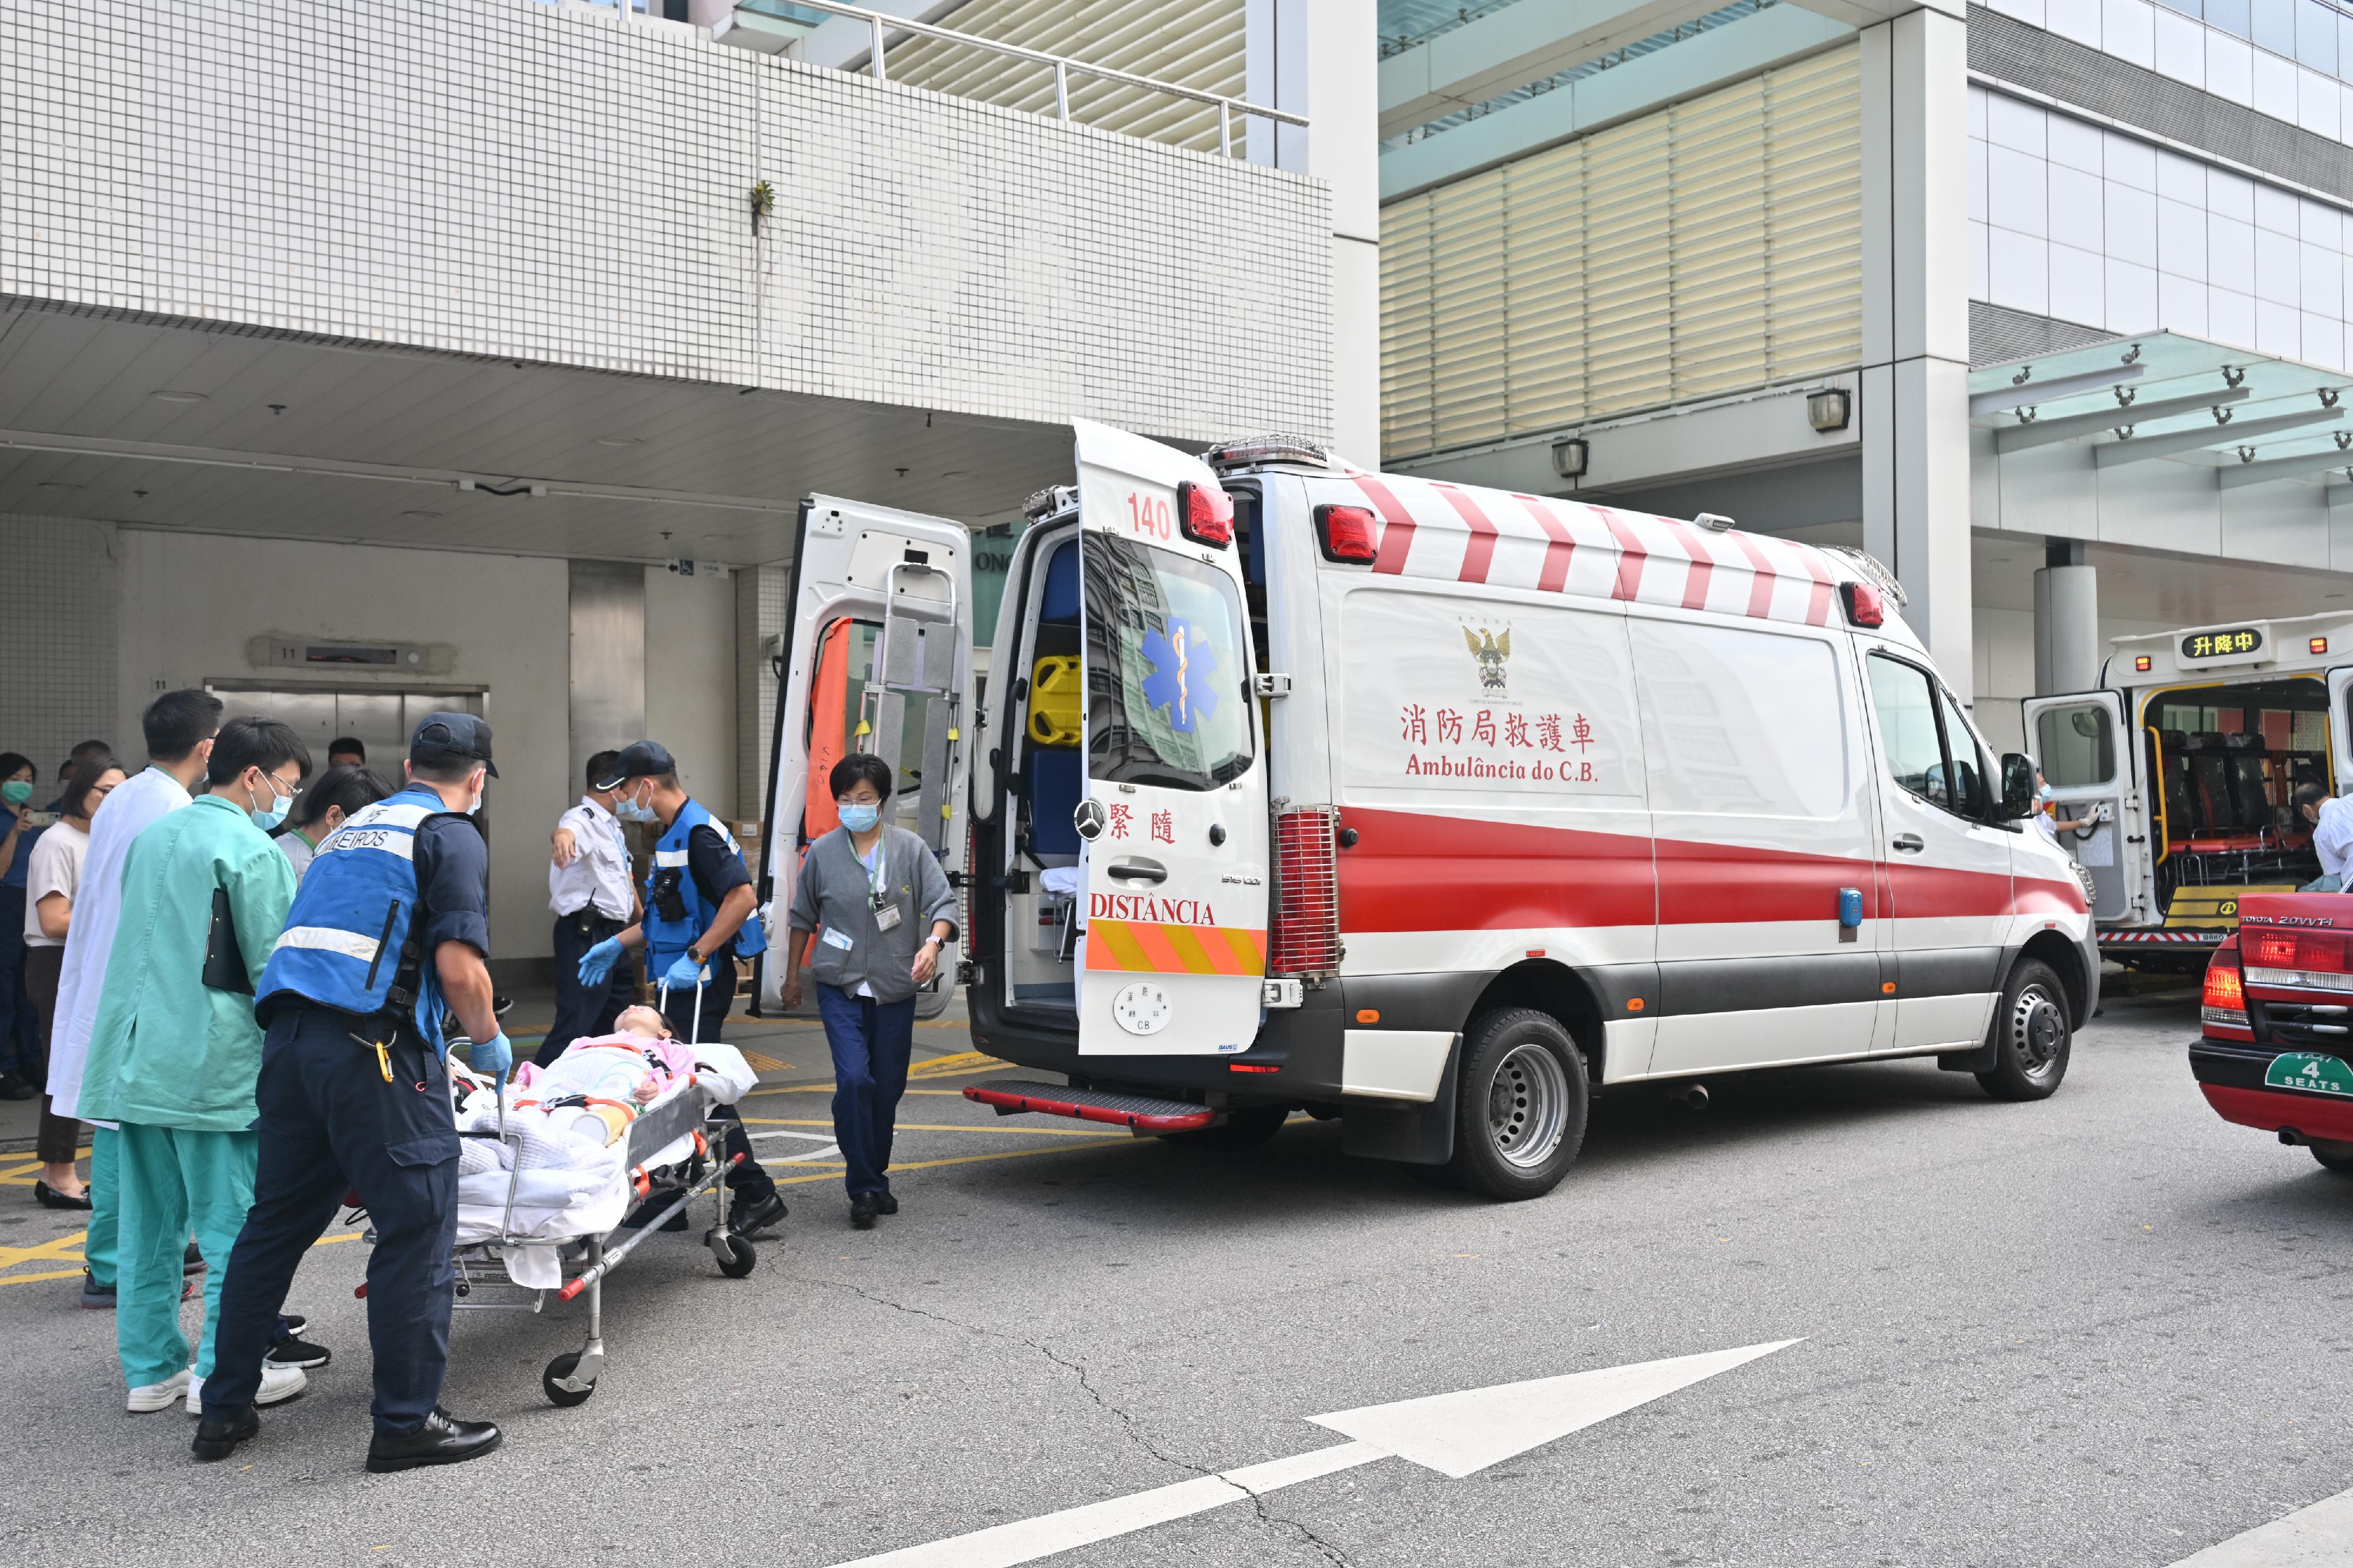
x,y
2275,25
2076,745
2230,15
1906,706
2315,36
1968,767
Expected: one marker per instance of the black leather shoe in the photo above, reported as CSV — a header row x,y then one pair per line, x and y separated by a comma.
x,y
750,1219
15,1088
191,1261
885,1203
218,1439
442,1440
48,1198
862,1210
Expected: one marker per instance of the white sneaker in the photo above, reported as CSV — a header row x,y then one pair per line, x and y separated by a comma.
x,y
159,1395
277,1383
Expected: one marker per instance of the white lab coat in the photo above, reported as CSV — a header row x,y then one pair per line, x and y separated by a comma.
x,y
97,907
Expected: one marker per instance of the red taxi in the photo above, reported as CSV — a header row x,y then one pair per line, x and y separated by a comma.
x,y
2277,1051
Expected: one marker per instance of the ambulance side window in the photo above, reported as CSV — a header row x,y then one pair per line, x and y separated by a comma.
x,y
1909,741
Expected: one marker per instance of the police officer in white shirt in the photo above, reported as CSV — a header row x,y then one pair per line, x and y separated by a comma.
x,y
2332,835
594,896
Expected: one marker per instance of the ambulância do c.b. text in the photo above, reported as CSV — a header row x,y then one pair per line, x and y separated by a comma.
x,y
1425,807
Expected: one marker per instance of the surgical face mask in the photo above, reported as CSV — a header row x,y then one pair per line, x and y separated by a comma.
x,y
17,792
629,808
858,815
480,790
269,818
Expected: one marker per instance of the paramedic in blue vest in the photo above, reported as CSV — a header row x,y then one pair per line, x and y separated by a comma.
x,y
697,921
388,930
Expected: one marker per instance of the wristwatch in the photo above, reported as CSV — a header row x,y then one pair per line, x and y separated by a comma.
x,y
695,953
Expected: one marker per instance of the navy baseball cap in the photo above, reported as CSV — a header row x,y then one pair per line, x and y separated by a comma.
x,y
641,759
446,738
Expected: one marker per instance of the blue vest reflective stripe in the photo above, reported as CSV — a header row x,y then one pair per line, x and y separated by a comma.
x,y
667,939
353,912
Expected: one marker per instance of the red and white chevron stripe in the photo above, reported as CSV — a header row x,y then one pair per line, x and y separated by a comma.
x,y
1462,533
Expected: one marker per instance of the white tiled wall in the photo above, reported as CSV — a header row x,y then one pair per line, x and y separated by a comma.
x,y
2208,57
513,180
2070,220
58,643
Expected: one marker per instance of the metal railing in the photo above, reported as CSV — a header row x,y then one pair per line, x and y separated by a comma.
x,y
877,25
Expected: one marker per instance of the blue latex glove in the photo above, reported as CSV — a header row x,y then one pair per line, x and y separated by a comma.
x,y
683,974
494,1058
596,964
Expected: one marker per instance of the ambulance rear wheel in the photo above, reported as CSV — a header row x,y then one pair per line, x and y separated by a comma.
x,y
2032,1036
1520,1105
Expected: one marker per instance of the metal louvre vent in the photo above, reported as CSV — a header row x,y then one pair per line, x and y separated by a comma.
x,y
1307,894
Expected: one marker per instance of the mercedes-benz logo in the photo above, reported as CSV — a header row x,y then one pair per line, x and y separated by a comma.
x,y
1088,819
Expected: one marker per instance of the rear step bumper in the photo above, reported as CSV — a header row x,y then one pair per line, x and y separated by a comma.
x,y
1140,1112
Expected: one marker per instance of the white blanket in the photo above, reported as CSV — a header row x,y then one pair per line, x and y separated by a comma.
x,y
593,1184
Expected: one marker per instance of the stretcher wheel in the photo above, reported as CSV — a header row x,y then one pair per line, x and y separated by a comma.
x,y
736,1257
552,1381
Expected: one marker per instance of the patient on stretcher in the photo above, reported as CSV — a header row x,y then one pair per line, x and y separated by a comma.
x,y
595,1089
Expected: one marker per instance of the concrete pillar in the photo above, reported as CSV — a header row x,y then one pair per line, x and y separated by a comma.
x,y
1320,58
1915,332
2066,621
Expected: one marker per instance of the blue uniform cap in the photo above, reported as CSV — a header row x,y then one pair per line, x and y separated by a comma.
x,y
446,738
639,760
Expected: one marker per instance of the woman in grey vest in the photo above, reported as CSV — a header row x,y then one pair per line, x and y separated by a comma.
x,y
870,918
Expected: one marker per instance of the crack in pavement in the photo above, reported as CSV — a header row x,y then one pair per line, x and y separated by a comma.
x,y
1135,1433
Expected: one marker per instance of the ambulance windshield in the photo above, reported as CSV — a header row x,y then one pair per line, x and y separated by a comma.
x,y
1166,700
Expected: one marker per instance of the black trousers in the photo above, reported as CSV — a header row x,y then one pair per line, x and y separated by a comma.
x,y
585,1010
749,1180
329,1122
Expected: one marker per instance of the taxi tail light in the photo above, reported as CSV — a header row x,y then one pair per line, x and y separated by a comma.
x,y
1348,534
1865,605
1205,514
1307,935
2224,999
2316,951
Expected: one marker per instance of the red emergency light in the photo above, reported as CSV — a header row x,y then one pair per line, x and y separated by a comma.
x,y
2318,645
1205,514
2141,663
1865,605
1347,533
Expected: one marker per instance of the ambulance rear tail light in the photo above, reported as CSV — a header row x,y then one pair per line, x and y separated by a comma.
x,y
2295,959
1205,514
2223,1004
1307,935
1865,604
1348,534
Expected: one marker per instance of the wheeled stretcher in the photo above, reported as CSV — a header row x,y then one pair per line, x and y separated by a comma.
x,y
516,1244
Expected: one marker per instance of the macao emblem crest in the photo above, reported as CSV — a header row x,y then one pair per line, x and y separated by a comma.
x,y
1489,649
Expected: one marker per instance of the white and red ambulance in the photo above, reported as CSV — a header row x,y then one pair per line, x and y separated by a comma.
x,y
1427,807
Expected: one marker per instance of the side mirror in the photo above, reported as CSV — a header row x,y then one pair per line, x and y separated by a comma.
x,y
2017,787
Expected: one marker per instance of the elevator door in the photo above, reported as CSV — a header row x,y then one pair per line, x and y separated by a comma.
x,y
380,721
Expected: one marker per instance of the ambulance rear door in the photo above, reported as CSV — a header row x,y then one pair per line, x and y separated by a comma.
x,y
1172,961
878,658
2340,729
2090,758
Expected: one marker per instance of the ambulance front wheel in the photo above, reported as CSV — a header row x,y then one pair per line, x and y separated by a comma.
x,y
2032,1036
1521,1105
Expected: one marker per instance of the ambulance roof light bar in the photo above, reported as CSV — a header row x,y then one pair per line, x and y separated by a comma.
x,y
1255,450
1873,569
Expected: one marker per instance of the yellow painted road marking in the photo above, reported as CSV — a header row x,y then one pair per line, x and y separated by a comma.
x,y
937,1127
759,1063
897,1169
33,1278
962,1061
49,1251
826,1088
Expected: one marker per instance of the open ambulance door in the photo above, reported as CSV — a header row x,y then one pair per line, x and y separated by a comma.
x,y
878,658
1172,958
2091,758
2341,730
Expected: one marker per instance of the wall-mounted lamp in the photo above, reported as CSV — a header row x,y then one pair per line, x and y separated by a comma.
x,y
1569,455
1830,409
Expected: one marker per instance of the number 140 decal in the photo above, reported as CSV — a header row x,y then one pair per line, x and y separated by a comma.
x,y
1149,516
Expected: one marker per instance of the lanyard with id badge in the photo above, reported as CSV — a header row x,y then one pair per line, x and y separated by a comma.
x,y
886,911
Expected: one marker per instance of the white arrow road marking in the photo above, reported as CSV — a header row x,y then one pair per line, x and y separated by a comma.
x,y
1454,1433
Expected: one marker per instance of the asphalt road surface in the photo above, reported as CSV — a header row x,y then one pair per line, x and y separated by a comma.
x,y
2101,1329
